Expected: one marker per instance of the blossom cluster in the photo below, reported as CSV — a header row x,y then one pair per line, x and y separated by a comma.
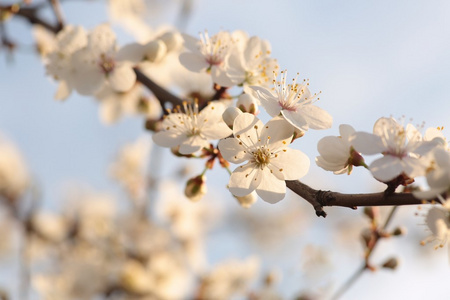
x,y
202,71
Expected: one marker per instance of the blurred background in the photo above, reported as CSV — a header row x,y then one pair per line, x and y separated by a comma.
x,y
369,59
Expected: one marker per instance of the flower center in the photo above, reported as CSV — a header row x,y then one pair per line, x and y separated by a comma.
x,y
106,64
261,157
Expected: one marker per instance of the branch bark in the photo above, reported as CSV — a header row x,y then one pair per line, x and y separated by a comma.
x,y
319,198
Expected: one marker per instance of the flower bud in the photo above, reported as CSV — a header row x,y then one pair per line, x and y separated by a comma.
x,y
247,201
155,51
298,133
355,158
247,103
172,39
370,212
399,231
230,114
196,188
391,263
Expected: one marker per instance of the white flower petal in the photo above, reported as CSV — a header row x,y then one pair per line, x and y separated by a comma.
x,y
333,150
271,189
244,180
102,39
297,120
279,131
232,151
386,168
122,78
193,62
316,117
367,143
293,164
168,138
247,128
268,101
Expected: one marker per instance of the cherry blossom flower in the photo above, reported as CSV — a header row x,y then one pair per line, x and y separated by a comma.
x,y
400,146
59,62
192,130
438,174
99,64
294,102
438,222
270,161
337,153
14,175
251,65
208,54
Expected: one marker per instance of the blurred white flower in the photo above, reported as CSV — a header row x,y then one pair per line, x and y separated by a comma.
x,y
99,64
437,174
438,222
401,148
208,54
295,102
14,176
193,130
230,278
59,62
129,169
251,64
270,161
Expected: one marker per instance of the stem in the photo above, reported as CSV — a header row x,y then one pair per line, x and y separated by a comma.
x,y
160,93
349,283
369,251
58,12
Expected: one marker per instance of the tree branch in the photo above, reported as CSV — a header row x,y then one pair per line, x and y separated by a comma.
x,y
160,93
31,15
319,198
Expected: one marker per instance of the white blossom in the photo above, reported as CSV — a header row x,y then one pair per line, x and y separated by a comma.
x,y
337,153
294,102
401,148
208,54
251,65
14,176
59,62
99,64
193,130
438,222
270,161
438,174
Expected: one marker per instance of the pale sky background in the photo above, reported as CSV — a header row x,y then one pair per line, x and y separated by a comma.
x,y
369,58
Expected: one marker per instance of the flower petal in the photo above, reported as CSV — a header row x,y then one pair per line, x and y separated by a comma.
x,y
367,143
247,128
386,168
244,180
268,101
232,151
271,189
122,78
292,164
193,62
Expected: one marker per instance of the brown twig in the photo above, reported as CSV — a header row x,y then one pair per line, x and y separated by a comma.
x,y
163,95
56,6
319,199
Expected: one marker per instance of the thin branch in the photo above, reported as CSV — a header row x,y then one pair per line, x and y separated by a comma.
x,y
319,199
160,93
56,6
31,15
